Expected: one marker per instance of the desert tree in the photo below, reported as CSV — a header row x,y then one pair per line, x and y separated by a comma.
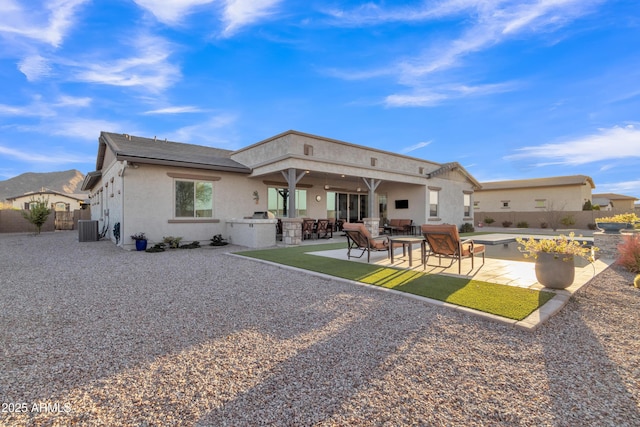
x,y
37,213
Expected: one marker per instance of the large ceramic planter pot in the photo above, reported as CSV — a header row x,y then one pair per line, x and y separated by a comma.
x,y
141,245
555,273
611,227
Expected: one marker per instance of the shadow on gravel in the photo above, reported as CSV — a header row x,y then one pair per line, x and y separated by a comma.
x,y
585,383
198,337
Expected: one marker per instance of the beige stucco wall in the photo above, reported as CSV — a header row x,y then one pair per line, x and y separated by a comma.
x,y
624,204
106,197
149,204
564,198
330,156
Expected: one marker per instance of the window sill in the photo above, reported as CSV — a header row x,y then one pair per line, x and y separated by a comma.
x,y
194,221
434,219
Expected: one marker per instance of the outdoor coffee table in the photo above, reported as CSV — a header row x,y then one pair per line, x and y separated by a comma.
x,y
406,242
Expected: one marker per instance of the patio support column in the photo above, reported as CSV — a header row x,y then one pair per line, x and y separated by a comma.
x,y
291,231
373,222
292,180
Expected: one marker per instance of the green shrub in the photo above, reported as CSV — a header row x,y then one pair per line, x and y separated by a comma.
x,y
506,224
489,220
193,245
544,225
587,206
467,228
568,220
173,242
522,224
158,247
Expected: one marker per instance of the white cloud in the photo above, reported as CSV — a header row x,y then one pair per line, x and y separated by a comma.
x,y
86,129
235,13
150,68
171,12
608,144
206,132
34,67
484,24
38,108
48,157
72,101
175,110
415,147
240,13
437,94
44,21
623,187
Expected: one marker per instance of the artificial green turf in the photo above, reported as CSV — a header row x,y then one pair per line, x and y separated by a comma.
x,y
506,301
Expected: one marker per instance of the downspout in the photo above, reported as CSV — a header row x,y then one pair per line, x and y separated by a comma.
x,y
125,165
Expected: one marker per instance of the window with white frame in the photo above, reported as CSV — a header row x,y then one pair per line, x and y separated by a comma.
x,y
541,203
193,199
434,194
467,204
505,204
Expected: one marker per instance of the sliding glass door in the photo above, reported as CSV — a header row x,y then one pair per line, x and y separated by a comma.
x,y
351,207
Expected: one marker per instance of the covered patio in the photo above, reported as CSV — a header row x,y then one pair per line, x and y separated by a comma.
x,y
309,176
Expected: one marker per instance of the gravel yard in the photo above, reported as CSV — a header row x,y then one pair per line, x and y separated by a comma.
x,y
94,335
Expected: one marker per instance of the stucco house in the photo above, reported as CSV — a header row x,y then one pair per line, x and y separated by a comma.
x,y
560,193
165,188
610,201
59,202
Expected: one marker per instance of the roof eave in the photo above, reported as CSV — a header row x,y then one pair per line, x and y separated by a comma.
x,y
166,162
90,180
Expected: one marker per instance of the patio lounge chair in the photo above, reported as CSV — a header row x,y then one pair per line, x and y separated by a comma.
x,y
359,238
444,242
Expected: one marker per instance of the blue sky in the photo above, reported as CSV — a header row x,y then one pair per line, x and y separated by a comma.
x,y
510,89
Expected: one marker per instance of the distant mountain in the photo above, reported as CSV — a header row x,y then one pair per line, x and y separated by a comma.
x,y
65,182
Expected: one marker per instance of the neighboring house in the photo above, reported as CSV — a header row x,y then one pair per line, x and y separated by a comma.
x,y
165,188
59,202
560,193
610,201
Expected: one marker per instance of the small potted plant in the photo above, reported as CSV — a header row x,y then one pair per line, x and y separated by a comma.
x,y
141,241
616,223
555,264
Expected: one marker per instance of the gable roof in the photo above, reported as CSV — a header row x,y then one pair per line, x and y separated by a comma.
x,y
455,166
79,197
613,196
556,181
157,152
